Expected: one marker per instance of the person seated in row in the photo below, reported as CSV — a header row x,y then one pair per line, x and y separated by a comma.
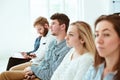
x,y
42,26
23,57
80,57
57,49
107,57
36,46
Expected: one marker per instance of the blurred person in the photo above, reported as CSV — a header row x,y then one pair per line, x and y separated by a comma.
x,y
80,57
53,56
107,57
41,25
22,57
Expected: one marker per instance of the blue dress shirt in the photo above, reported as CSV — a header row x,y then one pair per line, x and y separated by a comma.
x,y
53,57
96,74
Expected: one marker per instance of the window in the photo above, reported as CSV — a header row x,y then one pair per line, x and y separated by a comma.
x,y
46,8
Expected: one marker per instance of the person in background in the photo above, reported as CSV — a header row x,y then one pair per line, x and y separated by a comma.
x,y
41,24
57,49
36,46
12,61
107,57
15,60
80,57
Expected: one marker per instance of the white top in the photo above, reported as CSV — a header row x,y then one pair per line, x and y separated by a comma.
x,y
73,69
44,42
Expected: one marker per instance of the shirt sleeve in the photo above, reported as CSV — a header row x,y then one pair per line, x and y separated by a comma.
x,y
42,71
45,70
61,67
89,73
36,45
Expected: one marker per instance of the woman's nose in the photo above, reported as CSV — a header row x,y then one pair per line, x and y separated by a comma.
x,y
99,39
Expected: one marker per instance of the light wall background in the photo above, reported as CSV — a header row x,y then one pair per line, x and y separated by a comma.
x,y
15,29
17,16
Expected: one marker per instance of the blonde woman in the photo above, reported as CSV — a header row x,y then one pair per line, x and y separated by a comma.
x,y
80,57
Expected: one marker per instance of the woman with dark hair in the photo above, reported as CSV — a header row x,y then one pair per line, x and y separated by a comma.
x,y
107,57
118,13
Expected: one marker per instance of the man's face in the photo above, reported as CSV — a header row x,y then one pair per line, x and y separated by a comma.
x,y
55,27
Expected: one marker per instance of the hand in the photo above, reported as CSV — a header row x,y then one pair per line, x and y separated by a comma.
x,y
25,55
27,69
32,55
29,74
30,77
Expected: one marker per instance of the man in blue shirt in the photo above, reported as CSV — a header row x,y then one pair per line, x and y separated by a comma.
x,y
53,57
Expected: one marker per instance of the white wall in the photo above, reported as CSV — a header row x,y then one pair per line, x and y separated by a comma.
x,y
15,28
94,8
86,10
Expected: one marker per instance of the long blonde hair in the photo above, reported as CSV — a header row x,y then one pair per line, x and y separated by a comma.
x,y
85,33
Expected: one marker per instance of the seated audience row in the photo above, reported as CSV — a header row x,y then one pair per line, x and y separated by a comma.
x,y
73,55
42,26
57,49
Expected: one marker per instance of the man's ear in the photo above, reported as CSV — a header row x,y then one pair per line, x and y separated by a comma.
x,y
62,26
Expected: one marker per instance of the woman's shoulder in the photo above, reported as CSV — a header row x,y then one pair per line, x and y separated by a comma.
x,y
90,73
88,56
92,68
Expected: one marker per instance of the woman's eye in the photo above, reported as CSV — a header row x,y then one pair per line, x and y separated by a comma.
x,y
106,35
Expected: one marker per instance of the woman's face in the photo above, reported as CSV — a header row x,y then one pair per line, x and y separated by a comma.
x,y
72,37
107,41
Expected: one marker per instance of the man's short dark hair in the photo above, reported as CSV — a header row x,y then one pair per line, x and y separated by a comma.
x,y
62,19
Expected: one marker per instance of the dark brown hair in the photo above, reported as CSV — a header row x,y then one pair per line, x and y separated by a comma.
x,y
118,13
115,21
62,19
